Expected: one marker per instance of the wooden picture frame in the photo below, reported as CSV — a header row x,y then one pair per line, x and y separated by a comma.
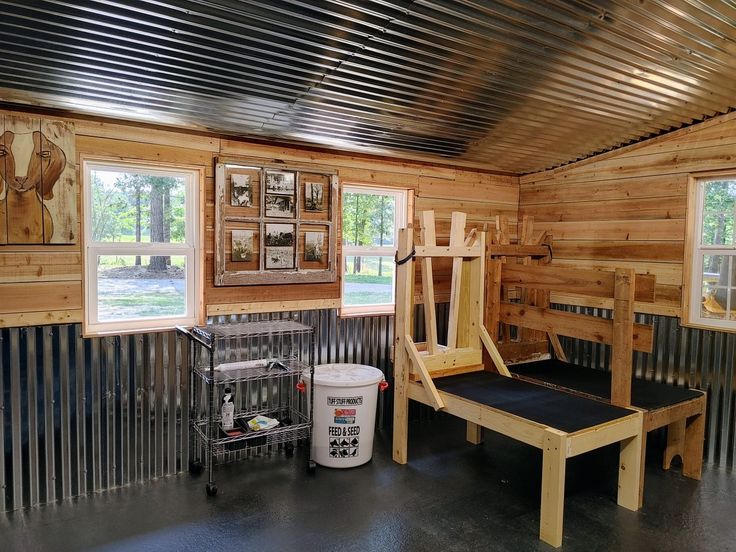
x,y
267,231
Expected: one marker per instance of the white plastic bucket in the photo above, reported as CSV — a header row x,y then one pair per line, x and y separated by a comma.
x,y
345,399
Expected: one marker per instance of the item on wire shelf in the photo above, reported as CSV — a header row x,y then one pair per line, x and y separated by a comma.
x,y
228,410
262,422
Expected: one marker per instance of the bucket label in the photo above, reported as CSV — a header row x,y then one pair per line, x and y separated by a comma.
x,y
344,447
345,415
344,401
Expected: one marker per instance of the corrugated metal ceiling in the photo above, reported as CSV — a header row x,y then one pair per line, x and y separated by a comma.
x,y
516,86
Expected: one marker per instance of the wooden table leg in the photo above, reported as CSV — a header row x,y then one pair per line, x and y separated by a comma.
x,y
474,433
631,469
554,459
692,459
675,443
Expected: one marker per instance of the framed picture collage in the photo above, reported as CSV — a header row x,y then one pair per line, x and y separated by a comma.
x,y
274,224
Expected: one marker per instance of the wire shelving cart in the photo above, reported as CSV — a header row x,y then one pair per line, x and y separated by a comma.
x,y
262,362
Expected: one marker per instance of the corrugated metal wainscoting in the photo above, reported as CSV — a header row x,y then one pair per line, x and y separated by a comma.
x,y
685,357
85,415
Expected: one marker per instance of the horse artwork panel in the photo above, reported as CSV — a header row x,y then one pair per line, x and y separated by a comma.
x,y
37,182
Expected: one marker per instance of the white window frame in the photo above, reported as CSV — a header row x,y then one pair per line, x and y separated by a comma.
x,y
189,249
695,251
400,220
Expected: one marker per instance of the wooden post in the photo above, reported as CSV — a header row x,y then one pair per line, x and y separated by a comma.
x,y
554,460
692,460
402,327
631,469
623,337
428,238
474,433
457,238
675,443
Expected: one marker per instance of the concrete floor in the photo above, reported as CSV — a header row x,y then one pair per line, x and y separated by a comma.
x,y
451,496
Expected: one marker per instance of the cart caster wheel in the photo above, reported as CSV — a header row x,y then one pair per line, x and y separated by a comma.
x,y
196,467
311,467
211,489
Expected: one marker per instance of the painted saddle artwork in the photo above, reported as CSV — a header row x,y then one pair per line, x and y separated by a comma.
x,y
37,182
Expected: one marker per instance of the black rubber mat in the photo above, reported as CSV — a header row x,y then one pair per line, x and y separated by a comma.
x,y
537,403
648,395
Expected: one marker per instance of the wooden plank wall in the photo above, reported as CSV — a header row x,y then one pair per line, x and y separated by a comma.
x,y
627,208
43,284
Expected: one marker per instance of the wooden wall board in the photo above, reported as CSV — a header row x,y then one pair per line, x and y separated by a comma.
x,y
627,208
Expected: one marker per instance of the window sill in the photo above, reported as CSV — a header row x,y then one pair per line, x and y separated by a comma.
x,y
132,331
363,312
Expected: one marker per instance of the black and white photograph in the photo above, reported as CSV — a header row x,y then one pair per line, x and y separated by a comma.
x,y
281,183
280,235
279,206
242,193
242,245
279,257
314,196
313,243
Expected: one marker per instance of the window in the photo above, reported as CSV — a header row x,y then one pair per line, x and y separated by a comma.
x,y
371,218
140,247
710,256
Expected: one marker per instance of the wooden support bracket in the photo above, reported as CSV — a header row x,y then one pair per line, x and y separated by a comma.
x,y
426,379
493,352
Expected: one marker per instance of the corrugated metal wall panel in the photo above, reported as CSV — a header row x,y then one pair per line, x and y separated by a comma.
x,y
681,356
85,415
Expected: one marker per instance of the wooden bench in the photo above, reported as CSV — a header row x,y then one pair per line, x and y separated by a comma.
x,y
535,325
452,378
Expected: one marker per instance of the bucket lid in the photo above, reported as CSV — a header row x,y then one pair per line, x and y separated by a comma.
x,y
344,375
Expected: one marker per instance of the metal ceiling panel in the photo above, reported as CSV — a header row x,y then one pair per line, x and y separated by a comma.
x,y
509,85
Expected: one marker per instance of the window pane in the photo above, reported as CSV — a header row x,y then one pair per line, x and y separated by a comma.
x,y
368,281
137,207
131,287
719,202
718,285
368,219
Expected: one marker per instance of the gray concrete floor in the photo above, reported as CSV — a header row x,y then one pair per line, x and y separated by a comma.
x,y
451,496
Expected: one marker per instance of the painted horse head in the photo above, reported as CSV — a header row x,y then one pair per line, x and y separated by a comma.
x,y
30,161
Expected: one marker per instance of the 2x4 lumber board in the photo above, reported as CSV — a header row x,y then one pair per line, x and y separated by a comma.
x,y
622,346
493,353
451,372
16,320
473,433
515,351
452,358
661,417
604,434
447,251
593,283
272,306
661,307
692,460
402,326
652,251
430,320
493,297
615,230
589,328
457,238
557,347
631,469
652,208
559,191
514,250
421,369
517,428
553,487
